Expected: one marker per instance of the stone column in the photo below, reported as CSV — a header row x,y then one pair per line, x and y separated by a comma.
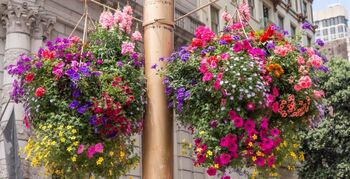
x,y
2,53
41,31
18,19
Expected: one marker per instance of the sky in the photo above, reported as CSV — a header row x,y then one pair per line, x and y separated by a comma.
x,y
323,4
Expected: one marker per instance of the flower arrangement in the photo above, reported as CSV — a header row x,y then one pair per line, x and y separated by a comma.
x,y
245,95
84,101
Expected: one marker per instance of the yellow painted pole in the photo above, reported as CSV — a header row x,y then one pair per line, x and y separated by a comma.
x,y
157,149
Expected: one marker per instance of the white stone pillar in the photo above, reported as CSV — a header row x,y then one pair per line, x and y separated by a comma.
x,y
19,19
42,28
2,53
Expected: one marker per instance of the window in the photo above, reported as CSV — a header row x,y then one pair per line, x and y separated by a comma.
x,y
280,21
324,23
332,21
292,30
325,32
333,30
340,29
214,12
265,14
251,7
308,41
317,33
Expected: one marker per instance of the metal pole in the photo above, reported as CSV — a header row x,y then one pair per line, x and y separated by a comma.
x,y
157,149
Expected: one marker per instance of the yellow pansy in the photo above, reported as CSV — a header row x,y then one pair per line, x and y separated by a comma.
x,y
99,161
210,153
69,148
63,139
74,159
74,131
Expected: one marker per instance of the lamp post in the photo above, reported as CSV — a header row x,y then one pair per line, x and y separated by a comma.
x,y
157,149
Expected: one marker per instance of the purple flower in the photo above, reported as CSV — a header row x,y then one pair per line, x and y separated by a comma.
x,y
161,59
82,109
211,48
154,66
213,123
320,42
306,25
324,68
93,120
275,27
204,51
84,71
76,93
165,80
222,42
134,56
74,104
270,45
168,90
119,64
236,38
285,32
302,49
185,57
17,90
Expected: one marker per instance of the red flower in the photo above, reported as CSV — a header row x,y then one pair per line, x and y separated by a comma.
x,y
48,54
26,122
197,43
267,34
29,77
227,38
40,91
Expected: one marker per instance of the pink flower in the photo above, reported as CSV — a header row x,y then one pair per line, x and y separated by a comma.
x,y
201,158
224,56
225,159
244,11
275,92
75,39
203,68
127,48
249,125
26,121
118,16
275,107
226,17
267,144
301,60
237,121
91,151
237,47
318,94
316,61
305,82
136,36
297,88
270,161
217,85
204,33
127,9
232,114
280,50
99,148
275,132
310,51
250,106
80,149
57,70
106,19
270,99
224,142
236,26
260,161
264,123
226,177
39,92
211,171
207,76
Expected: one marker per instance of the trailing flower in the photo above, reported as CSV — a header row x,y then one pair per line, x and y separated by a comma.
x,y
84,106
244,94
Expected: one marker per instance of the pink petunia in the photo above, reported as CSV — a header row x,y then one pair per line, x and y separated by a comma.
x,y
225,159
217,85
270,161
249,125
301,60
275,91
224,142
207,76
226,17
99,148
80,149
275,107
260,161
318,94
275,132
201,158
316,61
211,171
238,121
91,151
106,19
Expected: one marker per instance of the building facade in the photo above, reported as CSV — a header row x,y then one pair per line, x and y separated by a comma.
x,y
25,24
332,27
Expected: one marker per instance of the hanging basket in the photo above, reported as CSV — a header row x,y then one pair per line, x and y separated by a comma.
x,y
245,95
84,101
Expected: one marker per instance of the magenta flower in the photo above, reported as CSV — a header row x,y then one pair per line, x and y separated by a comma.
x,y
201,158
99,148
91,151
225,159
224,142
237,47
233,148
249,125
204,33
275,107
275,92
250,106
275,132
267,144
264,123
211,171
80,149
260,161
207,76
271,161
238,121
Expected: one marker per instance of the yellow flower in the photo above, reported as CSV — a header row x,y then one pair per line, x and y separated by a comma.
x,y
253,158
201,132
111,153
53,142
216,166
301,156
121,154
73,137
60,134
250,144
260,154
255,137
74,159
296,145
294,156
75,143
69,148
110,172
99,161
210,153
199,149
63,139
254,173
74,131
285,143
130,177
69,127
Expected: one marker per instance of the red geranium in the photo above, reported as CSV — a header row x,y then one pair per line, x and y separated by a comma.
x,y
40,91
227,38
29,77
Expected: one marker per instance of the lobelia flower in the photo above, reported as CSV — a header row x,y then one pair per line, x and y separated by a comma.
x,y
82,109
39,92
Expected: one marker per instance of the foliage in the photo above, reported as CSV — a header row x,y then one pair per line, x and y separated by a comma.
x,y
245,94
84,102
327,147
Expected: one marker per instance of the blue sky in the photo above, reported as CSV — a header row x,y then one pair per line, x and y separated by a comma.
x,y
323,4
